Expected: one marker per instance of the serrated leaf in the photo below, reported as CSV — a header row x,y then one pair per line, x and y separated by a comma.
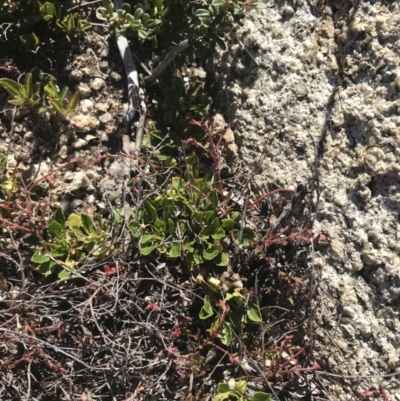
x,y
254,313
219,234
74,220
206,311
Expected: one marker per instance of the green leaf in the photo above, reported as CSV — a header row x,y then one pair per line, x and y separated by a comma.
x,y
73,102
178,184
39,257
175,251
118,216
253,313
223,387
222,259
29,85
147,250
56,229
188,245
142,34
202,13
213,196
57,105
230,395
210,252
219,234
247,236
235,296
218,3
159,224
198,257
64,275
240,386
135,229
150,209
227,224
169,206
74,221
10,86
31,42
46,268
138,13
77,232
148,238
194,88
226,334
259,396
87,223
59,217
206,310
17,102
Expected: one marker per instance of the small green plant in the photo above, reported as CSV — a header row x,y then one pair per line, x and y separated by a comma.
x,y
229,307
184,222
136,21
237,391
57,18
72,242
29,94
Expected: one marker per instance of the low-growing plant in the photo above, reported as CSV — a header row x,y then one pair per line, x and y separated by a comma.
x,y
125,20
237,391
228,306
71,243
184,222
30,94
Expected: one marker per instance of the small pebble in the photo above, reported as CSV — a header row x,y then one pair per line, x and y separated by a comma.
x,y
86,105
75,75
84,90
97,84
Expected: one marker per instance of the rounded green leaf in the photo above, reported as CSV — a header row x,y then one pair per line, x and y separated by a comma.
x,y
254,313
39,257
211,252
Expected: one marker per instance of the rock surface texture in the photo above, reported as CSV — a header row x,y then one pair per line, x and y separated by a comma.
x,y
326,93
